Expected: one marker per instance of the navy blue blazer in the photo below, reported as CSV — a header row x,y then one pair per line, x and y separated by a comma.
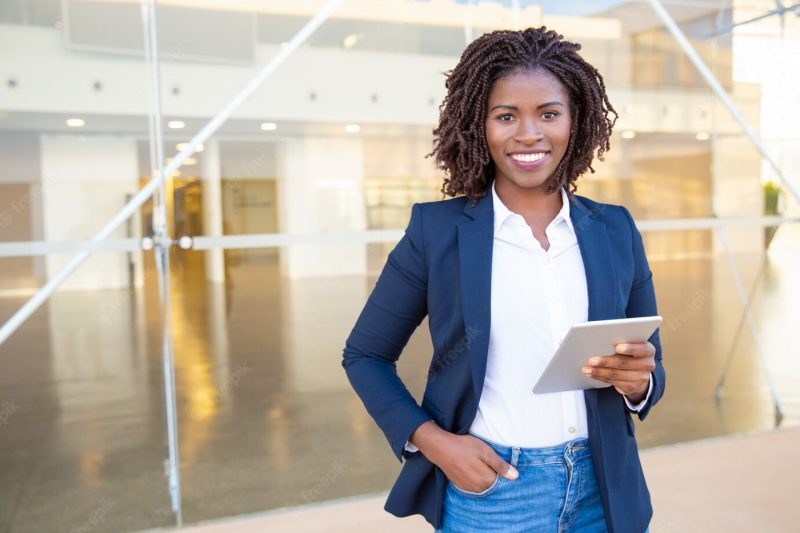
x,y
442,268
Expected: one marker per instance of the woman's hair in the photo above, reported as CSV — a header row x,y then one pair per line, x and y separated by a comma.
x,y
459,145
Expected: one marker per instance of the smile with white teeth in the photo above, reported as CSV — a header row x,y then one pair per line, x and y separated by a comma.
x,y
528,158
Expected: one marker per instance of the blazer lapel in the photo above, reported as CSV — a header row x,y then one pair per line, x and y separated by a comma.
x,y
598,261
600,281
475,243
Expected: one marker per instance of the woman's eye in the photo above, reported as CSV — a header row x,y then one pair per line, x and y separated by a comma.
x,y
549,115
505,117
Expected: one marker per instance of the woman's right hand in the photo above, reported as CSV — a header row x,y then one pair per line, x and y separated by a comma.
x,y
468,462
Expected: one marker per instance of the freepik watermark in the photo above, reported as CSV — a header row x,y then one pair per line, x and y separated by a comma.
x,y
231,382
695,306
462,346
96,517
7,410
328,479
18,206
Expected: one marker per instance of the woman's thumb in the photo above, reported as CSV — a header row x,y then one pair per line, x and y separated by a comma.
x,y
503,468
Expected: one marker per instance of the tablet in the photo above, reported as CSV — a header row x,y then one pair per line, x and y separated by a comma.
x,y
585,340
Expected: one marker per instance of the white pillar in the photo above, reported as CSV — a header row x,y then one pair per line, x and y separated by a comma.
x,y
212,210
736,168
320,189
85,180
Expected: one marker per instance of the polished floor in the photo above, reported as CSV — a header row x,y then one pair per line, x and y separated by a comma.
x,y
731,484
267,417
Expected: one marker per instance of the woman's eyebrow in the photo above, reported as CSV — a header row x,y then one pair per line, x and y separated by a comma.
x,y
514,108
548,104
504,106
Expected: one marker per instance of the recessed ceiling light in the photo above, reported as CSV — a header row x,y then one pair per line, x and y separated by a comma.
x,y
628,134
187,161
269,126
352,128
181,146
76,122
352,39
702,136
176,124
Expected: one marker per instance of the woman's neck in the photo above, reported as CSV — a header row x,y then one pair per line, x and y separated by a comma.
x,y
529,202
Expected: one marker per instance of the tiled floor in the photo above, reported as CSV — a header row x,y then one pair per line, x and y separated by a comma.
x,y
267,417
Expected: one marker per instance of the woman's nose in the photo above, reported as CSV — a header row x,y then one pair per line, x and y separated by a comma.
x,y
528,132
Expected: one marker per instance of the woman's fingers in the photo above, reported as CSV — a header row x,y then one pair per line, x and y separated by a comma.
x,y
616,375
628,370
499,465
620,362
636,349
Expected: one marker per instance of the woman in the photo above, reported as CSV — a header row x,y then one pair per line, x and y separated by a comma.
x,y
502,271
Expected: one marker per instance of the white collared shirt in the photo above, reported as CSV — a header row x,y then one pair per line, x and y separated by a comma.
x,y
536,296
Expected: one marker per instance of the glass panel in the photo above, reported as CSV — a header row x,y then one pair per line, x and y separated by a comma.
x,y
702,313
81,394
335,141
69,124
81,412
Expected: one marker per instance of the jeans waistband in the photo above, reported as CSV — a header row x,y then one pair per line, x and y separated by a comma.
x,y
572,450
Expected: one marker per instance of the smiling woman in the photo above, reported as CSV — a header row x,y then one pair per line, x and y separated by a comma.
x,y
503,70
502,271
527,132
527,137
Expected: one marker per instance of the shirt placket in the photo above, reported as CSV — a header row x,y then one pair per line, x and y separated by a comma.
x,y
560,326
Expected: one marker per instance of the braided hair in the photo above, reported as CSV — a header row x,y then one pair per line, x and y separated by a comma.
x,y
459,146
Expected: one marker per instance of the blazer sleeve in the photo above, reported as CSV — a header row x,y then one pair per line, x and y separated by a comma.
x,y
642,302
394,309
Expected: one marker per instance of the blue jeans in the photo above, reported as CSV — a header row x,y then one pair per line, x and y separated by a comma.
x,y
556,492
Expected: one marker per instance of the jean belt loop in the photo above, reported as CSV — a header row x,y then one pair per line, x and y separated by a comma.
x,y
514,456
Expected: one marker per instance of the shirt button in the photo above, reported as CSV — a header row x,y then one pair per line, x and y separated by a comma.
x,y
571,429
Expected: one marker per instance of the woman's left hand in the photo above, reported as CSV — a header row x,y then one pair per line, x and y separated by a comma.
x,y
628,370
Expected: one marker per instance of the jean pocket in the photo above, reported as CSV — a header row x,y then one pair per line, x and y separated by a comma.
x,y
485,492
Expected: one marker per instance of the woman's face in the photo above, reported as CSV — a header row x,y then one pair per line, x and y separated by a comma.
x,y
527,127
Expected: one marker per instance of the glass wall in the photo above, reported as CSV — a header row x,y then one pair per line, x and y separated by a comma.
x,y
292,205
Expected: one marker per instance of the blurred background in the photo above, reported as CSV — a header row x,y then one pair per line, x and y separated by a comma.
x,y
334,143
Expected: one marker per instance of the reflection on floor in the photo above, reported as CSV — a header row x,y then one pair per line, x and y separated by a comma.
x,y
267,417
735,484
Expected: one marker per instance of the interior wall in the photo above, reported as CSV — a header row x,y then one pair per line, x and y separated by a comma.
x,y
20,212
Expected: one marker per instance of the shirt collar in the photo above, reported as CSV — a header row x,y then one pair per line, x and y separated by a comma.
x,y
501,212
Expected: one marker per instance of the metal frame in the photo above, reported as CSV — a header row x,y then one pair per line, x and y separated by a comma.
x,y
726,100
779,10
162,251
145,192
162,242
275,240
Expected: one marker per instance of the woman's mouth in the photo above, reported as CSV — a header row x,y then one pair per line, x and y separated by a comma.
x,y
529,161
